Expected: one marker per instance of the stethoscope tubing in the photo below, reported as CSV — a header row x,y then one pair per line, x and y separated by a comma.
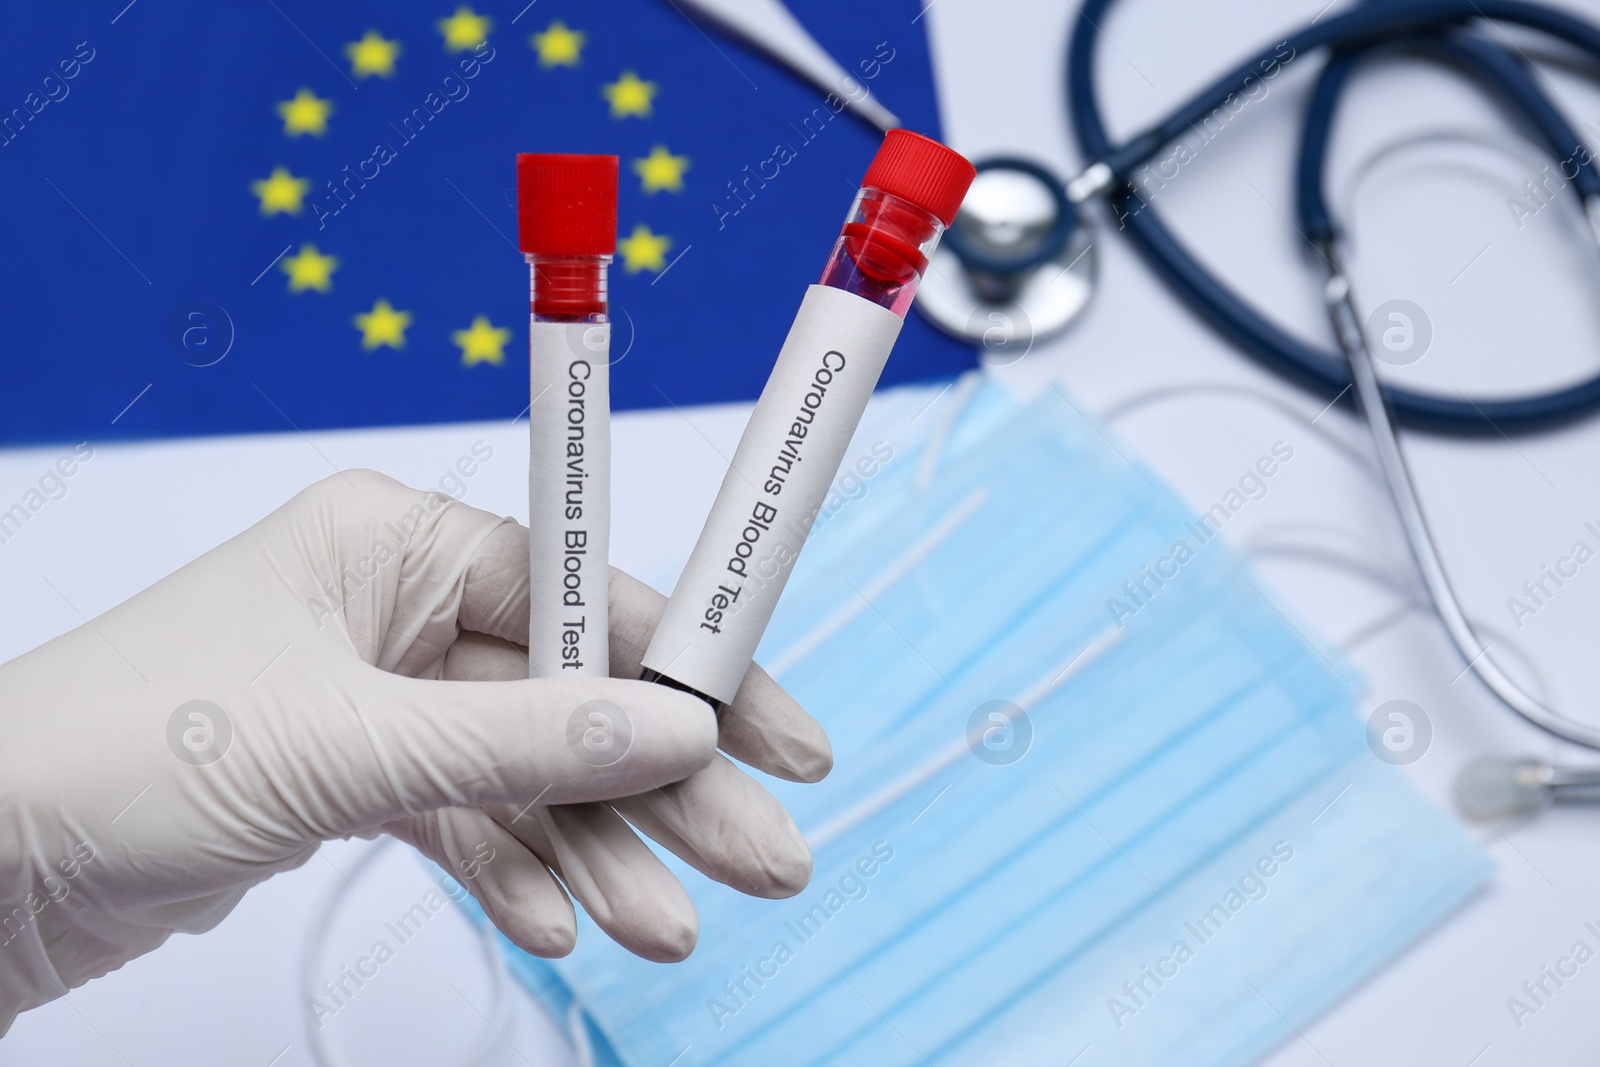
x,y
1320,371
1508,78
1432,28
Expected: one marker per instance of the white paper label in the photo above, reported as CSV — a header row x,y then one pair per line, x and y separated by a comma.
x,y
569,499
786,460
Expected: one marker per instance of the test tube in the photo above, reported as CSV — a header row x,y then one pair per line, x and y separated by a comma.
x,y
567,228
797,435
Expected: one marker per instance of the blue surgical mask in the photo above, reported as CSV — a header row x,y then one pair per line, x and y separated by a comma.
x,y
1091,790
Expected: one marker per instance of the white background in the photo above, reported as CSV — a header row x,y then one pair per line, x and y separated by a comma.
x,y
1511,308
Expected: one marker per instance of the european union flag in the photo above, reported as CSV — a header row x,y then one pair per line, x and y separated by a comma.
x,y
257,216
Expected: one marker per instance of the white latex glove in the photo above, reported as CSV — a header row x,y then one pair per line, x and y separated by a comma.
x,y
719,820
319,638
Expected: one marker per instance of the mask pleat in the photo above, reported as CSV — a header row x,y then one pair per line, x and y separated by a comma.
x,y
969,907
1161,794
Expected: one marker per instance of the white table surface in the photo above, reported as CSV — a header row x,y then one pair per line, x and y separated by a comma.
x,y
1510,308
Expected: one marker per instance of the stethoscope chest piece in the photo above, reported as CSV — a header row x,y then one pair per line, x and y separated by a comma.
x,y
1017,265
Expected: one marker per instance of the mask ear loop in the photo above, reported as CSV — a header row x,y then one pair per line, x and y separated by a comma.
x,y
322,1051
952,754
963,389
578,1034
1503,143
1281,542
960,396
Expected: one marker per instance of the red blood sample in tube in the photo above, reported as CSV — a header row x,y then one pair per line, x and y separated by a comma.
x,y
797,435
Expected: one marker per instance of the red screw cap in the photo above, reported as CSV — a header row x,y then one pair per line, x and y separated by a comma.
x,y
567,205
923,171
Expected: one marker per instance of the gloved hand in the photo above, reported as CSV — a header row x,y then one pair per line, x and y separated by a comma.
x,y
719,819
294,685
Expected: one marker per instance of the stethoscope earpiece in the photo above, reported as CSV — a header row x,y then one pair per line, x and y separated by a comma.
x,y
1499,788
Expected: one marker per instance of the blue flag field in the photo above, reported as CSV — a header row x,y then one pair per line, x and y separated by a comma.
x,y
280,214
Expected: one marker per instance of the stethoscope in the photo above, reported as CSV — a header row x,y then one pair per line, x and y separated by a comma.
x,y
1006,240
1020,257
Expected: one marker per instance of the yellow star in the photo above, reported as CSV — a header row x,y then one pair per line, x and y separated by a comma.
x,y
643,250
465,30
383,325
558,46
281,192
372,55
661,170
630,96
481,343
305,114
310,269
